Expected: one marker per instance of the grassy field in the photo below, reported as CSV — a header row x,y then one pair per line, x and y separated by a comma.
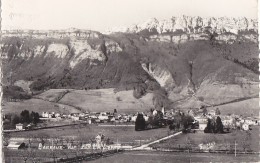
x,y
221,139
53,95
169,157
66,100
249,107
137,157
122,134
36,105
107,100
246,108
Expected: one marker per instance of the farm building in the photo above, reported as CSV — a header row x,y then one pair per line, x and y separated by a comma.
x,y
16,145
227,121
19,126
245,127
202,126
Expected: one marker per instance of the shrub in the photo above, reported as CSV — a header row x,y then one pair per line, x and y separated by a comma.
x,y
118,99
201,98
140,123
139,91
160,99
15,92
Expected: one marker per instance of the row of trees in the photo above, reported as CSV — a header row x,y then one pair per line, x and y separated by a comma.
x,y
180,121
24,117
214,126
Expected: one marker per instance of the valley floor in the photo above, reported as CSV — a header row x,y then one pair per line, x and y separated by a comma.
x,y
169,157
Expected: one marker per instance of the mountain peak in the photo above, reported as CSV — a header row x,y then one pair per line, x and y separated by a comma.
x,y
191,24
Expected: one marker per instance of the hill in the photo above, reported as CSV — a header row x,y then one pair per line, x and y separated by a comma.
x,y
213,60
100,100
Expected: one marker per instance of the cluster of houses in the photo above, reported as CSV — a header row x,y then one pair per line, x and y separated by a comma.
x,y
94,117
103,117
91,117
229,121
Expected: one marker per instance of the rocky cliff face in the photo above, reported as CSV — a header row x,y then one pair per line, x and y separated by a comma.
x,y
186,56
181,29
192,25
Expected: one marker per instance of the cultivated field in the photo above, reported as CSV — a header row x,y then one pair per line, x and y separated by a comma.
x,y
107,100
169,157
122,134
71,101
248,107
36,105
53,95
222,140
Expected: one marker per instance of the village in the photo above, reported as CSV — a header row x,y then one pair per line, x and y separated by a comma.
x,y
199,116
199,121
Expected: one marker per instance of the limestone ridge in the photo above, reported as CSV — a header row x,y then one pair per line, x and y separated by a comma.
x,y
191,24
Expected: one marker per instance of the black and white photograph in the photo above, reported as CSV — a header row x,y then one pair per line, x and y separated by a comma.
x,y
129,81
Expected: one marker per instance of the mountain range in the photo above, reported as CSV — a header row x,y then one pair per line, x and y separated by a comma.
x,y
184,61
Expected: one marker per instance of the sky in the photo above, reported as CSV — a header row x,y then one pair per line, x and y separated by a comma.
x,y
101,15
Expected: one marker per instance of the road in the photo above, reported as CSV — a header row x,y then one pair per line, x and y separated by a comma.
x,y
146,146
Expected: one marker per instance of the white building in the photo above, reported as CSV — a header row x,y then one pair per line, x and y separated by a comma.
x,y
57,115
227,121
16,145
250,121
202,126
201,119
19,126
45,114
75,118
154,112
245,127
103,116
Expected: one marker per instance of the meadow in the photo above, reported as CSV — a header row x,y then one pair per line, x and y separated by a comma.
x,y
120,134
107,100
170,157
36,105
222,141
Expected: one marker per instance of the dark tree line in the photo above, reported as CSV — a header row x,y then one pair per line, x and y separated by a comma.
x,y
24,117
183,122
140,123
214,126
180,122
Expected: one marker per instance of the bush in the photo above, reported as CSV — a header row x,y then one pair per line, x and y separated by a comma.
x,y
160,99
40,84
219,126
139,91
118,99
140,123
15,92
156,120
201,98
